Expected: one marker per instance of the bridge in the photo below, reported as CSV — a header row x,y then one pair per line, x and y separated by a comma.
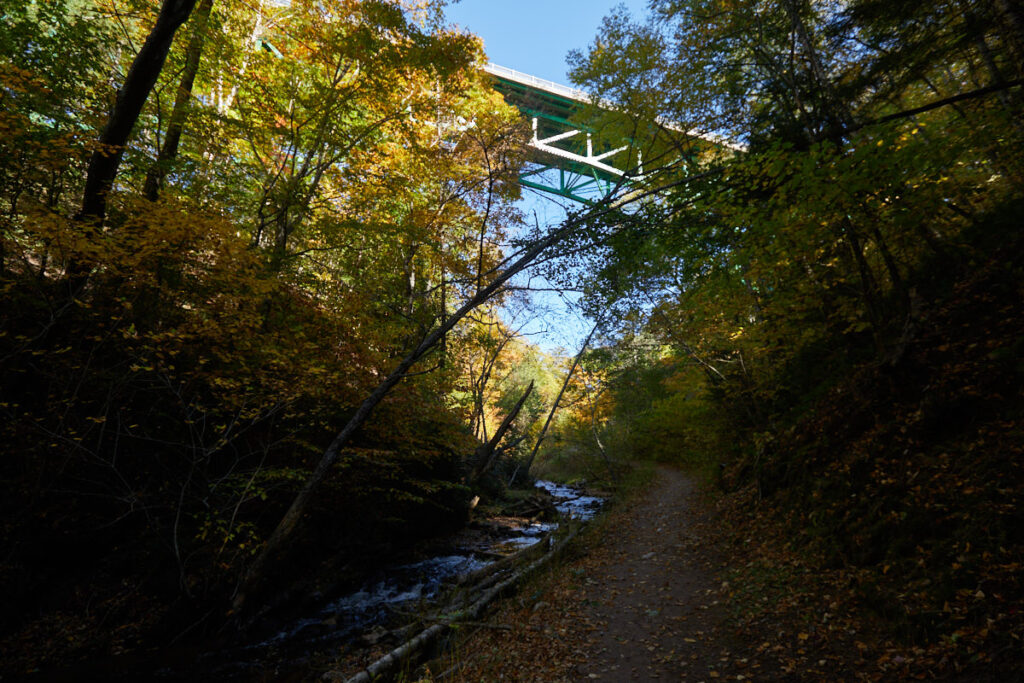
x,y
565,161
568,158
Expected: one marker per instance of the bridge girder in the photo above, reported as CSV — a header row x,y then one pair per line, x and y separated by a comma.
x,y
566,159
577,162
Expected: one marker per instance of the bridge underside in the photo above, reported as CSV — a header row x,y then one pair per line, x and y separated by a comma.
x,y
568,159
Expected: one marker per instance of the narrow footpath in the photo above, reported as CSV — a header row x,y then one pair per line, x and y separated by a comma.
x,y
651,596
637,603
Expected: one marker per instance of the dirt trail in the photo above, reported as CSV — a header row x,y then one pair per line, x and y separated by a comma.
x,y
639,603
652,598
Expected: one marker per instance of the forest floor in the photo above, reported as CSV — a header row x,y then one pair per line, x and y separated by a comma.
x,y
673,585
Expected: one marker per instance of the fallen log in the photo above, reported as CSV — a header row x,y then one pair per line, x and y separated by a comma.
x,y
389,662
505,562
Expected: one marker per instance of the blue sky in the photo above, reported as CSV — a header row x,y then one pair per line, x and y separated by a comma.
x,y
534,36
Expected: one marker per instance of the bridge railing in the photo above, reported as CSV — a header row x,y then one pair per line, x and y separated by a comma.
x,y
540,83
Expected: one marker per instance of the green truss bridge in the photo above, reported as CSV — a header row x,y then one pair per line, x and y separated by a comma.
x,y
565,160
573,160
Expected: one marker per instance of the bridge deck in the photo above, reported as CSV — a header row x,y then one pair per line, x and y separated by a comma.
x,y
528,83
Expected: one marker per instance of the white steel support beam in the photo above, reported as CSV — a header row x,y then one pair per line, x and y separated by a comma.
x,y
546,145
579,159
607,154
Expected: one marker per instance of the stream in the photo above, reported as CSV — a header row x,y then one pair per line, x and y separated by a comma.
x,y
394,590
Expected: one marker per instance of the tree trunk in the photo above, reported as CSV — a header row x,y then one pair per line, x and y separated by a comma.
x,y
891,267
600,446
869,288
444,314
554,407
1013,21
131,98
486,453
838,115
478,386
169,150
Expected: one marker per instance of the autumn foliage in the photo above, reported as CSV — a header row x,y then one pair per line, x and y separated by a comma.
x,y
171,369
810,291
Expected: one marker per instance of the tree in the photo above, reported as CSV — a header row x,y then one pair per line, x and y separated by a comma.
x,y
805,244
488,452
496,281
131,98
172,139
227,321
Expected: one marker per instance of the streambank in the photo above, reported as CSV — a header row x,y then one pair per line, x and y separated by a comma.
x,y
299,643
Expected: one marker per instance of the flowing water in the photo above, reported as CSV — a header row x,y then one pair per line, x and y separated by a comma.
x,y
402,587
397,589
570,502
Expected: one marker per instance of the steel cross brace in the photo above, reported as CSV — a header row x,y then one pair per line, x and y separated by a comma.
x,y
575,185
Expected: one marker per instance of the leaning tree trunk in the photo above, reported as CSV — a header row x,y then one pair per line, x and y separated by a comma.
x,y
554,407
487,453
290,520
